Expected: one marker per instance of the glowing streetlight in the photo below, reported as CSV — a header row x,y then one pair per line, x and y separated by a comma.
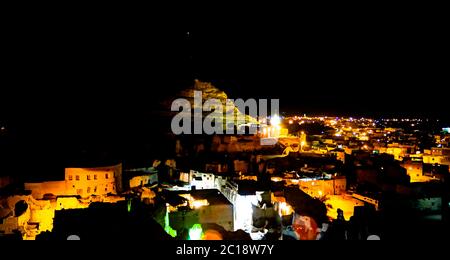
x,y
275,120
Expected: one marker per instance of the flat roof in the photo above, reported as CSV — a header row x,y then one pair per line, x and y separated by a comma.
x,y
214,197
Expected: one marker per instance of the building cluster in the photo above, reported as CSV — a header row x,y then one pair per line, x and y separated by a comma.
x,y
40,201
324,178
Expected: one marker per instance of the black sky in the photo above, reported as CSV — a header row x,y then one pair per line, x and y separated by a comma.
x,y
388,65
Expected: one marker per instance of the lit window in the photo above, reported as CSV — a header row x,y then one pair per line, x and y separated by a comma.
x,y
77,177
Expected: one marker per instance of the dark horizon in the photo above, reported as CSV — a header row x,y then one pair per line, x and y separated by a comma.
x,y
365,67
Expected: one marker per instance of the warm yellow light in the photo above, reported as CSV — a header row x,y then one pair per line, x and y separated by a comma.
x,y
285,209
199,203
291,122
276,179
320,193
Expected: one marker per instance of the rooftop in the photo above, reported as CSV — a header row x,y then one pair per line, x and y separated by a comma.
x,y
213,196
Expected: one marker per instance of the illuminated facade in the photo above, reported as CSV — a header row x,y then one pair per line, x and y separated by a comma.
x,y
83,182
415,171
39,214
320,188
437,156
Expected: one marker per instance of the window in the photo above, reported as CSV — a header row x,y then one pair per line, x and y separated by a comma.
x,y
77,177
80,191
89,190
70,177
88,177
106,176
106,189
95,189
95,177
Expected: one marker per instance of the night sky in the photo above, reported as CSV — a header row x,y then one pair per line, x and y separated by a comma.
x,y
383,66
71,82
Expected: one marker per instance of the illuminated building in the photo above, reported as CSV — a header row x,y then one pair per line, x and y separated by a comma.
x,y
201,181
83,182
439,156
39,215
415,171
140,177
245,195
339,153
198,207
319,188
400,151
